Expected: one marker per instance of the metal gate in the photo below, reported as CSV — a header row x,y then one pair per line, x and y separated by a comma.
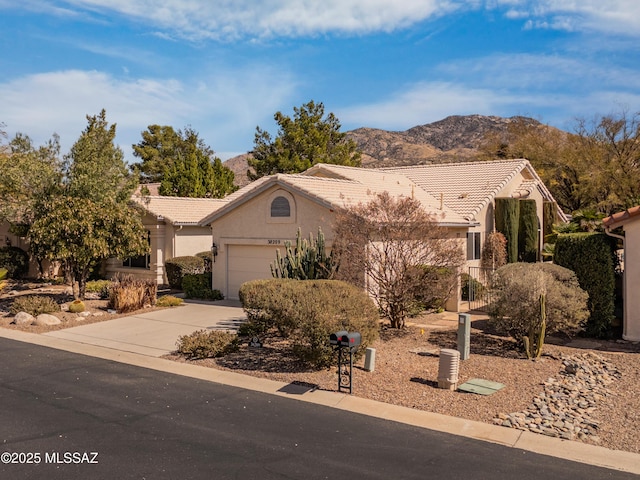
x,y
475,288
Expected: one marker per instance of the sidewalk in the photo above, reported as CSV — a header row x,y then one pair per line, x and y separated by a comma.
x,y
141,339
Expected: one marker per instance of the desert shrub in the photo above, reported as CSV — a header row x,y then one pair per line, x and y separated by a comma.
x,y
76,306
207,344
128,294
516,291
199,286
591,256
471,289
308,311
169,301
176,268
34,305
207,257
434,286
3,276
15,260
99,286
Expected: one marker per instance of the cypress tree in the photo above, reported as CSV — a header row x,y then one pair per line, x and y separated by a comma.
x,y
507,217
528,231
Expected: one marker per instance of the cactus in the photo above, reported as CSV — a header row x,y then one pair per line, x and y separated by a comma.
x,y
535,341
308,260
77,306
3,276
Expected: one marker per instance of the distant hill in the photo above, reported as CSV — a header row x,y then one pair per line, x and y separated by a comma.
x,y
453,139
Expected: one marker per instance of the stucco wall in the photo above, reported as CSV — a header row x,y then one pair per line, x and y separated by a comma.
x,y
632,281
251,224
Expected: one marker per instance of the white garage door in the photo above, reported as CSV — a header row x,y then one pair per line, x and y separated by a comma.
x,y
248,262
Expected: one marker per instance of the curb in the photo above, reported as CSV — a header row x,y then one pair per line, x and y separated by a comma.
x,y
565,449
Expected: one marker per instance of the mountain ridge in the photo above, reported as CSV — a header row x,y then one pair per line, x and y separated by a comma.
x,y
456,138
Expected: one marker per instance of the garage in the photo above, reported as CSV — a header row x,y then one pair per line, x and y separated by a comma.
x,y
248,262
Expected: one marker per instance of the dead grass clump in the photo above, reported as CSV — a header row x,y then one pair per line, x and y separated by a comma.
x,y
128,294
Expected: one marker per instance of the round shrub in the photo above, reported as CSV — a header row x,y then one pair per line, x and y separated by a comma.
x,y
199,286
15,260
176,268
76,306
208,260
169,301
516,290
100,287
207,344
308,311
34,305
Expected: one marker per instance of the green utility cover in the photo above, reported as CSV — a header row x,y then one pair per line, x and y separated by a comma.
x,y
480,386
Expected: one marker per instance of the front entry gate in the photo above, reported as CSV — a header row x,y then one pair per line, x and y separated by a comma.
x,y
475,288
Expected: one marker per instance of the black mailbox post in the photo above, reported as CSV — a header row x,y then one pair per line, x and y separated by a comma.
x,y
346,343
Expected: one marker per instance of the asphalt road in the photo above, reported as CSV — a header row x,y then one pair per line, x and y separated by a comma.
x,y
78,417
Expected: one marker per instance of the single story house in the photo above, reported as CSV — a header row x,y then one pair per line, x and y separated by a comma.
x,y
629,221
262,216
174,229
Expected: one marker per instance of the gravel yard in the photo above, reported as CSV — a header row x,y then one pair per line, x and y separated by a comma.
x,y
406,374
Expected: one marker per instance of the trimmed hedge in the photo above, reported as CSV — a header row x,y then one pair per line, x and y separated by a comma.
x,y
15,260
549,217
307,312
592,257
507,217
207,257
176,268
199,286
528,231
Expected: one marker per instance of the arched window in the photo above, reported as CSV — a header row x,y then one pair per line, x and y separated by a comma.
x,y
280,207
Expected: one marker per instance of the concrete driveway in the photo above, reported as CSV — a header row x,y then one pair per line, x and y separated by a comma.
x,y
155,333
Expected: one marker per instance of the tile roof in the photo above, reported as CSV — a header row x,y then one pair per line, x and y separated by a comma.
x,y
620,218
343,192
468,187
180,210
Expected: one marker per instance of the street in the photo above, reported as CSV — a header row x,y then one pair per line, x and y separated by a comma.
x,y
70,416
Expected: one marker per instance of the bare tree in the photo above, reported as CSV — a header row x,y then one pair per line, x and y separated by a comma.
x,y
396,250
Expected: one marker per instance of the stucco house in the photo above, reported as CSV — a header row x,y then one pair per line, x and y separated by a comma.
x,y
629,221
259,218
174,229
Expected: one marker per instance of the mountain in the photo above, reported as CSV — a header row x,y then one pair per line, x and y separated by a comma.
x,y
453,139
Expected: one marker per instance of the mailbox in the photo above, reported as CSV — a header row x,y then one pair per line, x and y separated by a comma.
x,y
352,340
334,338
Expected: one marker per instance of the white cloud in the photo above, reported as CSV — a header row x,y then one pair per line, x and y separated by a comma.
x,y
200,19
611,16
223,108
554,89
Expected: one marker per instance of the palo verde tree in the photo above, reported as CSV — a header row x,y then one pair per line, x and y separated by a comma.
x,y
396,250
87,217
308,138
182,163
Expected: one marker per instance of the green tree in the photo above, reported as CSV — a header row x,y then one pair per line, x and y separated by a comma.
x,y
28,173
87,217
597,167
183,164
309,138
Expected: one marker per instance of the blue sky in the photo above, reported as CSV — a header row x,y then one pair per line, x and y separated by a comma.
x,y
224,67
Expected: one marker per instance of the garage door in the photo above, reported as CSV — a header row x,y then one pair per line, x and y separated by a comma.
x,y
248,262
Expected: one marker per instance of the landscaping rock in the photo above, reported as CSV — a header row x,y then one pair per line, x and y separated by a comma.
x,y
564,408
45,319
23,318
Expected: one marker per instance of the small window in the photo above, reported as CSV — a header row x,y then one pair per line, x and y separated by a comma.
x,y
473,246
142,261
280,207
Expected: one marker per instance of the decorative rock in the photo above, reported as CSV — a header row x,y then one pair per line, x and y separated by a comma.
x,y
85,314
564,408
23,318
45,319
